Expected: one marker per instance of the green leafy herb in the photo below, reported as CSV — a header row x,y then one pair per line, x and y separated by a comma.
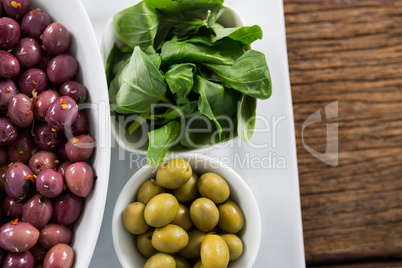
x,y
160,141
184,75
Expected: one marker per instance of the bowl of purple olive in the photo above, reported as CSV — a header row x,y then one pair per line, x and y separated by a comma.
x,y
54,150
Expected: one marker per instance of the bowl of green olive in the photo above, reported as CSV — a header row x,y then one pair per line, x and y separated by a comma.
x,y
188,212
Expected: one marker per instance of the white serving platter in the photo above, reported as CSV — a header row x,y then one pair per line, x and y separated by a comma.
x,y
268,163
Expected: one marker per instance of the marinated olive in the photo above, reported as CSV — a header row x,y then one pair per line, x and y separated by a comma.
x,y
235,245
204,214
192,250
182,218
67,208
214,187
19,260
37,211
148,190
144,244
80,148
17,236
19,181
133,218
161,210
169,239
188,192
60,255
231,218
173,174
160,260
80,178
214,252
53,234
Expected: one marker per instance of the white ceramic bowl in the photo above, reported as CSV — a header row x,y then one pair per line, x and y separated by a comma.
x,y
124,242
138,142
91,73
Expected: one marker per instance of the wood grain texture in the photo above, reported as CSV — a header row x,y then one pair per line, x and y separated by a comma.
x,y
350,52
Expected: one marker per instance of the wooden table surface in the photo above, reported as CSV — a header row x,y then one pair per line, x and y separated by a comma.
x,y
349,51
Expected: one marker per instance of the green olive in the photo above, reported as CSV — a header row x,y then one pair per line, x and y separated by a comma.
x,y
214,252
198,264
192,250
181,262
173,174
182,218
148,190
214,187
169,239
160,260
204,214
231,218
133,218
161,210
188,192
235,245
144,244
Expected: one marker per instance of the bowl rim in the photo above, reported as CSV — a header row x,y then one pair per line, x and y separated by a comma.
x,y
123,143
139,177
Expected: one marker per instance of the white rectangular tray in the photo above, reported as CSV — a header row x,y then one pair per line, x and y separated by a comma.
x,y
268,163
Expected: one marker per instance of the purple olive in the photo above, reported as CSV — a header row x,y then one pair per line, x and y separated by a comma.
x,y
62,113
80,148
33,79
53,234
7,91
80,178
34,23
61,68
12,208
62,168
75,90
8,131
16,9
42,103
67,208
56,39
60,255
20,110
22,148
18,236
43,160
19,181
3,156
45,137
28,52
19,260
9,65
37,211
9,33
50,183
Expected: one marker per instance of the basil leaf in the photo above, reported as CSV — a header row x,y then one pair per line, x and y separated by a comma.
x,y
246,117
249,74
143,84
160,141
224,54
180,80
216,102
245,34
136,25
155,57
